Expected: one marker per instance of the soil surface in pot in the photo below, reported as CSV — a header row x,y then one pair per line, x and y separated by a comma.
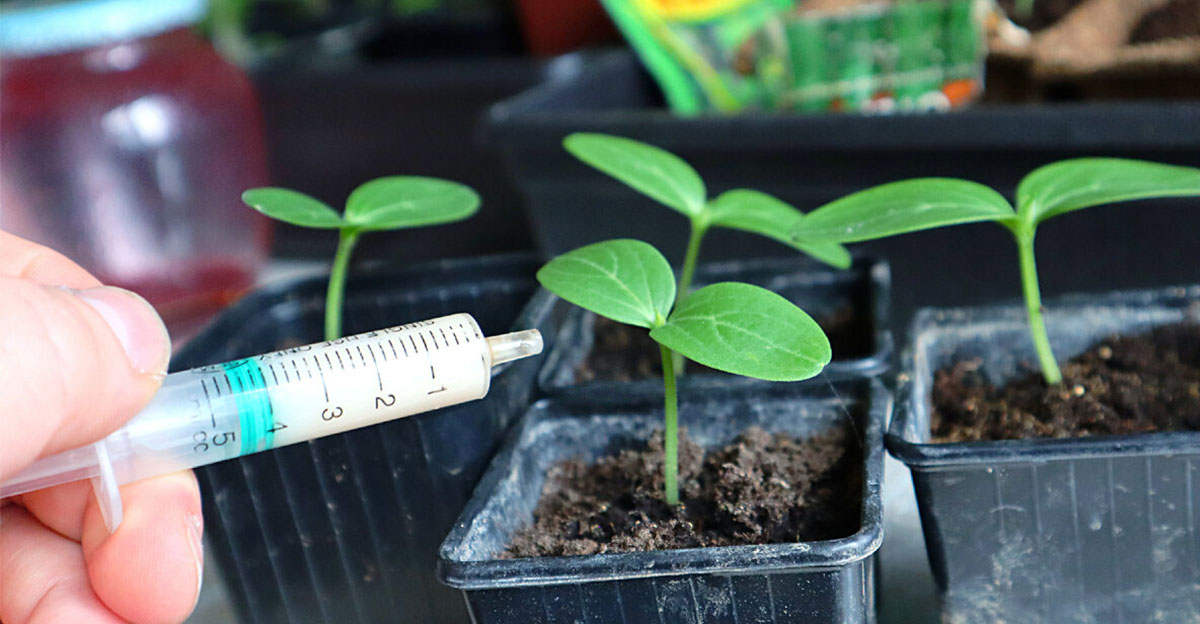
x,y
626,353
761,489
1121,385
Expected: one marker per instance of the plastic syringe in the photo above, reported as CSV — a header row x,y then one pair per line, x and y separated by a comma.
x,y
219,412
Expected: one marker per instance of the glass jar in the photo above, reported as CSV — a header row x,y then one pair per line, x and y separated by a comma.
x,y
125,144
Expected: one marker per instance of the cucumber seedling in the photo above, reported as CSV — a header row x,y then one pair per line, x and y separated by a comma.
x,y
667,179
730,326
390,203
1049,191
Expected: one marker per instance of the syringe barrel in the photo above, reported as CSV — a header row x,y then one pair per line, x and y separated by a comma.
x,y
218,412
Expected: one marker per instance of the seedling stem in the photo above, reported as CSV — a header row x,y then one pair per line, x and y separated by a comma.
x,y
699,228
670,428
347,238
1033,305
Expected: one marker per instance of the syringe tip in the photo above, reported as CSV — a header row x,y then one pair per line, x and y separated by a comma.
x,y
514,346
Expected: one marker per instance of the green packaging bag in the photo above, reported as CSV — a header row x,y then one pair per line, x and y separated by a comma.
x,y
821,55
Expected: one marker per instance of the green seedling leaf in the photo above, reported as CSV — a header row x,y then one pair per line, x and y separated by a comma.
x,y
746,330
293,207
626,280
760,213
409,201
1069,185
901,207
649,170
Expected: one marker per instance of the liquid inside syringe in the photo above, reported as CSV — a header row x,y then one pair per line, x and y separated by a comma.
x,y
219,412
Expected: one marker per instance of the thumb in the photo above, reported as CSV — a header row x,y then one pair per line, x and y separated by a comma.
x,y
76,365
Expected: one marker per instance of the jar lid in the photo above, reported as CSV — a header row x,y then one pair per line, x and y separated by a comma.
x,y
39,28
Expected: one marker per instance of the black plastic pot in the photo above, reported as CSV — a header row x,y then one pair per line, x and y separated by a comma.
x,y
1062,531
828,581
858,295
345,528
809,160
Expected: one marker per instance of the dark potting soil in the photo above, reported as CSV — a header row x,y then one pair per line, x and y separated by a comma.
x,y
626,353
1122,385
761,489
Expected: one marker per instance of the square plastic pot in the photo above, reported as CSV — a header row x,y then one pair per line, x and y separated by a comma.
x,y
830,581
1062,531
860,294
345,528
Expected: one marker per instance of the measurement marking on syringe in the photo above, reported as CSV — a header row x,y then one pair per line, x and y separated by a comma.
x,y
286,377
393,346
321,372
455,334
382,353
271,367
212,414
360,355
228,384
296,368
341,365
377,375
327,361
413,343
444,338
426,344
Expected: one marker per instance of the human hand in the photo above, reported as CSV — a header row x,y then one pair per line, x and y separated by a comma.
x,y
77,360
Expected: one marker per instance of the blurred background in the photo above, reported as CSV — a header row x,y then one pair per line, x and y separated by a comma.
x,y
129,129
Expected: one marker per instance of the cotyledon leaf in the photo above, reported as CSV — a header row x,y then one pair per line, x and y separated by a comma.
x,y
409,201
760,213
1078,183
292,207
901,207
626,280
746,330
649,170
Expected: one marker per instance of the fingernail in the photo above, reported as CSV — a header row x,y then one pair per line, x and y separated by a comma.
x,y
135,324
195,527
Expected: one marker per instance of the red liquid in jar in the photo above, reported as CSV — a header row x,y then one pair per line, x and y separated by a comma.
x,y
131,158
